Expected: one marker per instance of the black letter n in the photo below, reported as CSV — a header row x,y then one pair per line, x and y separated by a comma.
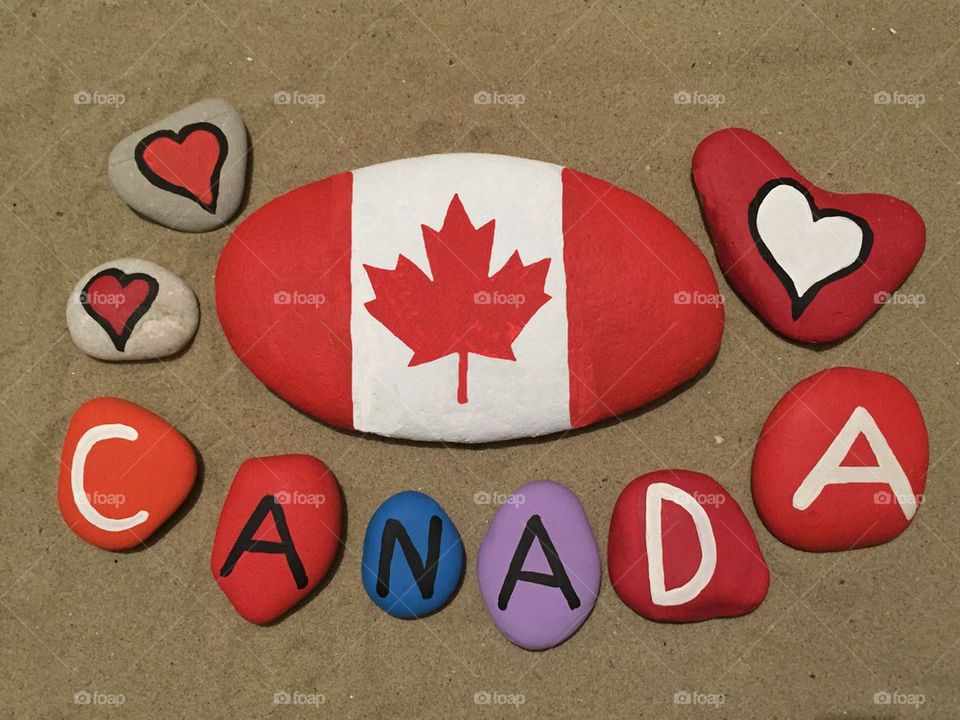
x,y
425,574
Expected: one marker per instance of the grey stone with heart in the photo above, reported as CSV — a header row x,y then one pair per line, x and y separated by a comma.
x,y
131,309
188,171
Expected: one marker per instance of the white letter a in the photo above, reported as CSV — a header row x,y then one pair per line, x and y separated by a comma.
x,y
828,470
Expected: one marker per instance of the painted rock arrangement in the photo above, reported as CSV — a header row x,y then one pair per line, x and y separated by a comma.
x,y
814,265
841,462
681,550
538,566
472,298
278,534
187,171
123,472
413,556
131,309
503,298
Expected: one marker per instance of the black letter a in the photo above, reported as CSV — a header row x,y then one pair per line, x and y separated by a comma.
x,y
425,574
558,577
246,543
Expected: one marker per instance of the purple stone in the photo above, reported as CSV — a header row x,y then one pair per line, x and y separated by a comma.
x,y
539,566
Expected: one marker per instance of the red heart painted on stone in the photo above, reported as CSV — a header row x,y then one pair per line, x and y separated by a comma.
x,y
187,163
117,301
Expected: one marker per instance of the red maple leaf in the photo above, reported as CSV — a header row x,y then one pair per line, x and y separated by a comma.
x,y
461,310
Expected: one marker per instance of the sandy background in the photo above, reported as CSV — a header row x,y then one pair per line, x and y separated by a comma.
x,y
398,79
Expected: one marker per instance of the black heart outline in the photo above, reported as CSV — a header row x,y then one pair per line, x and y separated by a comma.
x,y
179,137
799,303
120,340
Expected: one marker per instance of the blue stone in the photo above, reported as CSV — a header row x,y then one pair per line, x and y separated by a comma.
x,y
413,556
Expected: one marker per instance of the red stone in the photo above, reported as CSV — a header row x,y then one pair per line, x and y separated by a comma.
x,y
278,534
685,577
882,456
133,470
810,281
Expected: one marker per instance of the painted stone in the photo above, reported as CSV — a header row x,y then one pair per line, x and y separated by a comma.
x,y
841,462
466,298
681,550
413,556
131,309
123,472
278,534
813,264
187,171
538,566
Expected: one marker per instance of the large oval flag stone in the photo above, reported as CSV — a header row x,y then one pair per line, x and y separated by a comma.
x,y
412,556
538,566
466,298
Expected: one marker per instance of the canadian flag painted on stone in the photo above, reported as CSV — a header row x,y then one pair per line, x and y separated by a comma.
x,y
466,298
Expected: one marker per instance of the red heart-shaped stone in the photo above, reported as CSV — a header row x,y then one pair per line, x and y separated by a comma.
x,y
813,264
187,163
